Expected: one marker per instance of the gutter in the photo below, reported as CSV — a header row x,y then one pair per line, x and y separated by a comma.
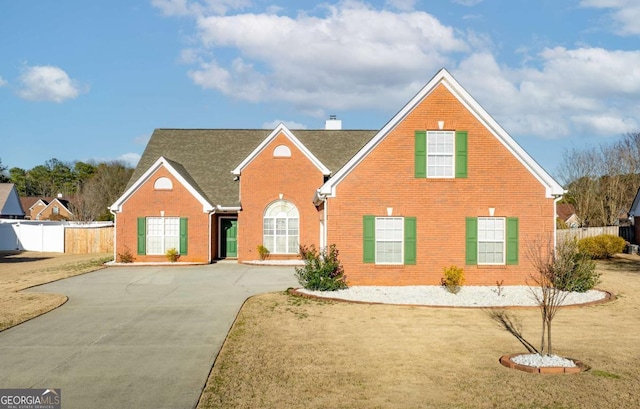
x,y
227,209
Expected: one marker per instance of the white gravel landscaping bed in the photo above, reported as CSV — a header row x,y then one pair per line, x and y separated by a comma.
x,y
540,361
468,296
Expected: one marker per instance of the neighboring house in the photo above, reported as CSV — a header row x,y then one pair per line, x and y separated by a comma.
x,y
567,213
441,184
47,208
634,215
10,207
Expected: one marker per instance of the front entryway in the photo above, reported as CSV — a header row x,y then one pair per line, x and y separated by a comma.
x,y
229,238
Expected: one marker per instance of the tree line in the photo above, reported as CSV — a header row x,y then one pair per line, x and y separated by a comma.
x,y
602,181
90,187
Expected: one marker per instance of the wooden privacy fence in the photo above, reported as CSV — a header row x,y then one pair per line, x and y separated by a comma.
x,y
81,240
581,233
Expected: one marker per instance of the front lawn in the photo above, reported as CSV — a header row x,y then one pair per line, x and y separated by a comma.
x,y
289,352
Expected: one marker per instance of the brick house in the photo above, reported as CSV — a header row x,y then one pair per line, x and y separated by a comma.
x,y
440,184
46,208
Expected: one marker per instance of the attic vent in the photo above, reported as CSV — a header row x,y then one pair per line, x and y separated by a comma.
x,y
333,123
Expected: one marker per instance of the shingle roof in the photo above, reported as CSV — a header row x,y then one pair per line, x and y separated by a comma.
x,y
206,157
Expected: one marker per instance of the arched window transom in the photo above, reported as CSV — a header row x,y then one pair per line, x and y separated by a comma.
x,y
281,231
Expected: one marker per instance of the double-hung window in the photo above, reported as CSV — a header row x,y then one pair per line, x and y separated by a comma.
x,y
492,240
441,154
389,240
156,235
163,233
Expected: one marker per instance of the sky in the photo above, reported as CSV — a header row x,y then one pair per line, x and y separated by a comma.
x,y
90,80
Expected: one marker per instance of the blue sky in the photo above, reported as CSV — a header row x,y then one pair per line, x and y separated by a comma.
x,y
91,80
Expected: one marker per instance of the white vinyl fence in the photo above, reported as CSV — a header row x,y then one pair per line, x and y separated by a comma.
x,y
35,235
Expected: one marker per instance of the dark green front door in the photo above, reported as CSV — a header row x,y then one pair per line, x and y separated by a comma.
x,y
229,239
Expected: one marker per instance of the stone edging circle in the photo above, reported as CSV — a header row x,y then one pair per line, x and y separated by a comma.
x,y
505,360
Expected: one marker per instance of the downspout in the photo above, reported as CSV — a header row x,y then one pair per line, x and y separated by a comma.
x,y
324,224
210,223
115,236
555,217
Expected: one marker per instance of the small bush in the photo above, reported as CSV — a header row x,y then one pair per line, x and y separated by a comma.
x,y
453,279
126,256
602,246
322,270
172,255
581,276
263,252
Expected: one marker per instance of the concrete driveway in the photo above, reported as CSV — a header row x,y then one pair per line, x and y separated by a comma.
x,y
133,337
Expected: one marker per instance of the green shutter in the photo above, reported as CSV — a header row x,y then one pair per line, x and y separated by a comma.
x,y
142,235
409,240
183,236
369,239
421,154
472,240
512,240
461,154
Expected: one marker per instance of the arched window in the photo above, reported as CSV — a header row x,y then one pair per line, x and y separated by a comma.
x,y
282,151
163,183
281,233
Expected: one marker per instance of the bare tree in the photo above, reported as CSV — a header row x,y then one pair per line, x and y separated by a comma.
x,y
100,191
551,267
579,176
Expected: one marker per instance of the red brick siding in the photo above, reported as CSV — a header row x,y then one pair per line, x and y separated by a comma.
x,y
385,178
178,202
261,182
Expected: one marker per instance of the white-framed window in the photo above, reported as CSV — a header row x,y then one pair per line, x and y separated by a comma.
x,y
282,151
163,233
163,183
491,240
281,231
440,154
56,210
389,240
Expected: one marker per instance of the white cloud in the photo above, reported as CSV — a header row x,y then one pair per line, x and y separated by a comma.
x,y
288,124
130,159
403,5
198,8
346,58
3,82
142,139
625,14
47,83
468,3
586,90
351,55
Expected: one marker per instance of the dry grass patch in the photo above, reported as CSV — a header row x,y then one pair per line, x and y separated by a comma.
x,y
289,352
19,271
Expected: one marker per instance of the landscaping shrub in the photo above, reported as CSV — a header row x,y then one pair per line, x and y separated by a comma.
x,y
126,256
602,246
322,270
453,279
263,252
172,255
580,275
